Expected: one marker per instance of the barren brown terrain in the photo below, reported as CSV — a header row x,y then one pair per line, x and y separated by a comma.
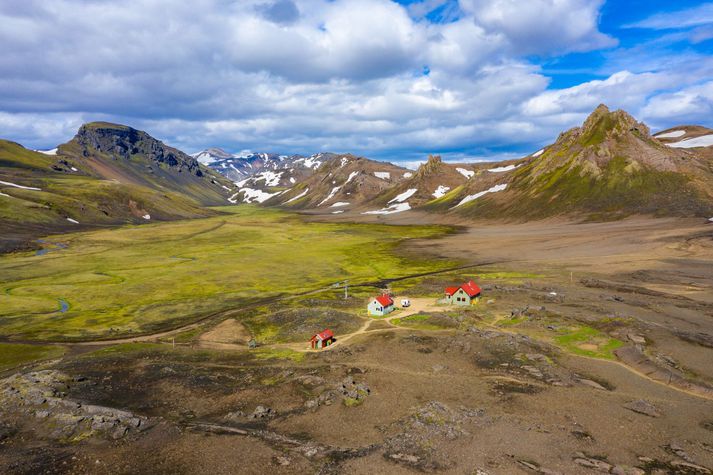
x,y
496,388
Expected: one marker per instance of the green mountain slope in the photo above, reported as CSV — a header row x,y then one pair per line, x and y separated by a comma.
x,y
609,168
107,175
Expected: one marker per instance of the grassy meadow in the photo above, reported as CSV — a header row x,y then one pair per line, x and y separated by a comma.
x,y
138,279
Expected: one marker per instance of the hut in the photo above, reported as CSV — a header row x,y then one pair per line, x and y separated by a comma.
x,y
322,339
381,305
465,294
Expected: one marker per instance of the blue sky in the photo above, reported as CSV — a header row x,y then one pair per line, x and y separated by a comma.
x,y
469,79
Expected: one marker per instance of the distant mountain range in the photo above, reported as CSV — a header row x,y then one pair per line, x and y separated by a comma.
x,y
110,174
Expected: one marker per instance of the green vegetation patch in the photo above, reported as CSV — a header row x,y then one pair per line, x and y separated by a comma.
x,y
13,354
142,279
587,341
299,324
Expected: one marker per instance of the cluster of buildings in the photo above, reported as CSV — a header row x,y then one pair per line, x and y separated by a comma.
x,y
463,295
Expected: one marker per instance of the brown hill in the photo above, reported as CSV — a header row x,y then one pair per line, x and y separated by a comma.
x,y
342,183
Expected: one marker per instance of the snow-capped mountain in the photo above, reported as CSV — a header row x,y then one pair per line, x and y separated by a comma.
x,y
260,176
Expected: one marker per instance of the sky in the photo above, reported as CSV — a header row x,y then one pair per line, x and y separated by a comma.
x,y
390,80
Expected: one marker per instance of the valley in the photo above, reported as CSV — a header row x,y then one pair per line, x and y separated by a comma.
x,y
538,374
165,306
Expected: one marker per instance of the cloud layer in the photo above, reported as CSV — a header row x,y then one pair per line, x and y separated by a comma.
x,y
368,76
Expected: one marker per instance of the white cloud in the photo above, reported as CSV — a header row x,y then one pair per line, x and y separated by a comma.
x,y
309,75
542,26
690,17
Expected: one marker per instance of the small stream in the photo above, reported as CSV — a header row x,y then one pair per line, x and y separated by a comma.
x,y
52,246
63,306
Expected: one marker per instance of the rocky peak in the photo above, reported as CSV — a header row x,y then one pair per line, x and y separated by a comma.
x,y
433,164
603,124
120,141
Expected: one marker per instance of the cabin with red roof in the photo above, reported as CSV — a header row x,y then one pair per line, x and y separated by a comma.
x,y
322,339
465,294
381,305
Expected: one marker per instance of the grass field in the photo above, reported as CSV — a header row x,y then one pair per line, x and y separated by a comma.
x,y
139,279
13,354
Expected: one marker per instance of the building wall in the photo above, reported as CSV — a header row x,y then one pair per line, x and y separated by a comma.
x,y
464,298
374,305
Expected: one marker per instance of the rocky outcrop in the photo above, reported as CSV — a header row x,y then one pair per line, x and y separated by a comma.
x,y
125,142
42,397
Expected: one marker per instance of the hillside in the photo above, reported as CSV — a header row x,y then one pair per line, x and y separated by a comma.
x,y
436,184
106,175
342,183
608,168
267,175
133,157
276,170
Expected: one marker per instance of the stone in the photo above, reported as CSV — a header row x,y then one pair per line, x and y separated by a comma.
x,y
594,464
592,384
625,470
644,407
636,339
405,458
690,467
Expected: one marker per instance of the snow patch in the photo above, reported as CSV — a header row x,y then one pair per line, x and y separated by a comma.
x,y
7,183
339,204
466,173
225,187
74,169
383,175
295,198
331,194
351,177
408,175
702,141
441,191
292,180
270,178
503,169
48,152
404,196
345,160
251,195
538,153
312,162
395,208
146,217
470,198
339,211
205,158
72,220
3,194
671,135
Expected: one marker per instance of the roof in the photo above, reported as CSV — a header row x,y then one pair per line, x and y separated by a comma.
x,y
325,335
470,288
385,300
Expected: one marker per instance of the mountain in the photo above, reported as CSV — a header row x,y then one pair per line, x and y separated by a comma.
x,y
341,183
106,175
133,157
261,175
432,181
608,168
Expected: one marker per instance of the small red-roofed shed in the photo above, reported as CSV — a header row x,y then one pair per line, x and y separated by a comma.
x,y
322,339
